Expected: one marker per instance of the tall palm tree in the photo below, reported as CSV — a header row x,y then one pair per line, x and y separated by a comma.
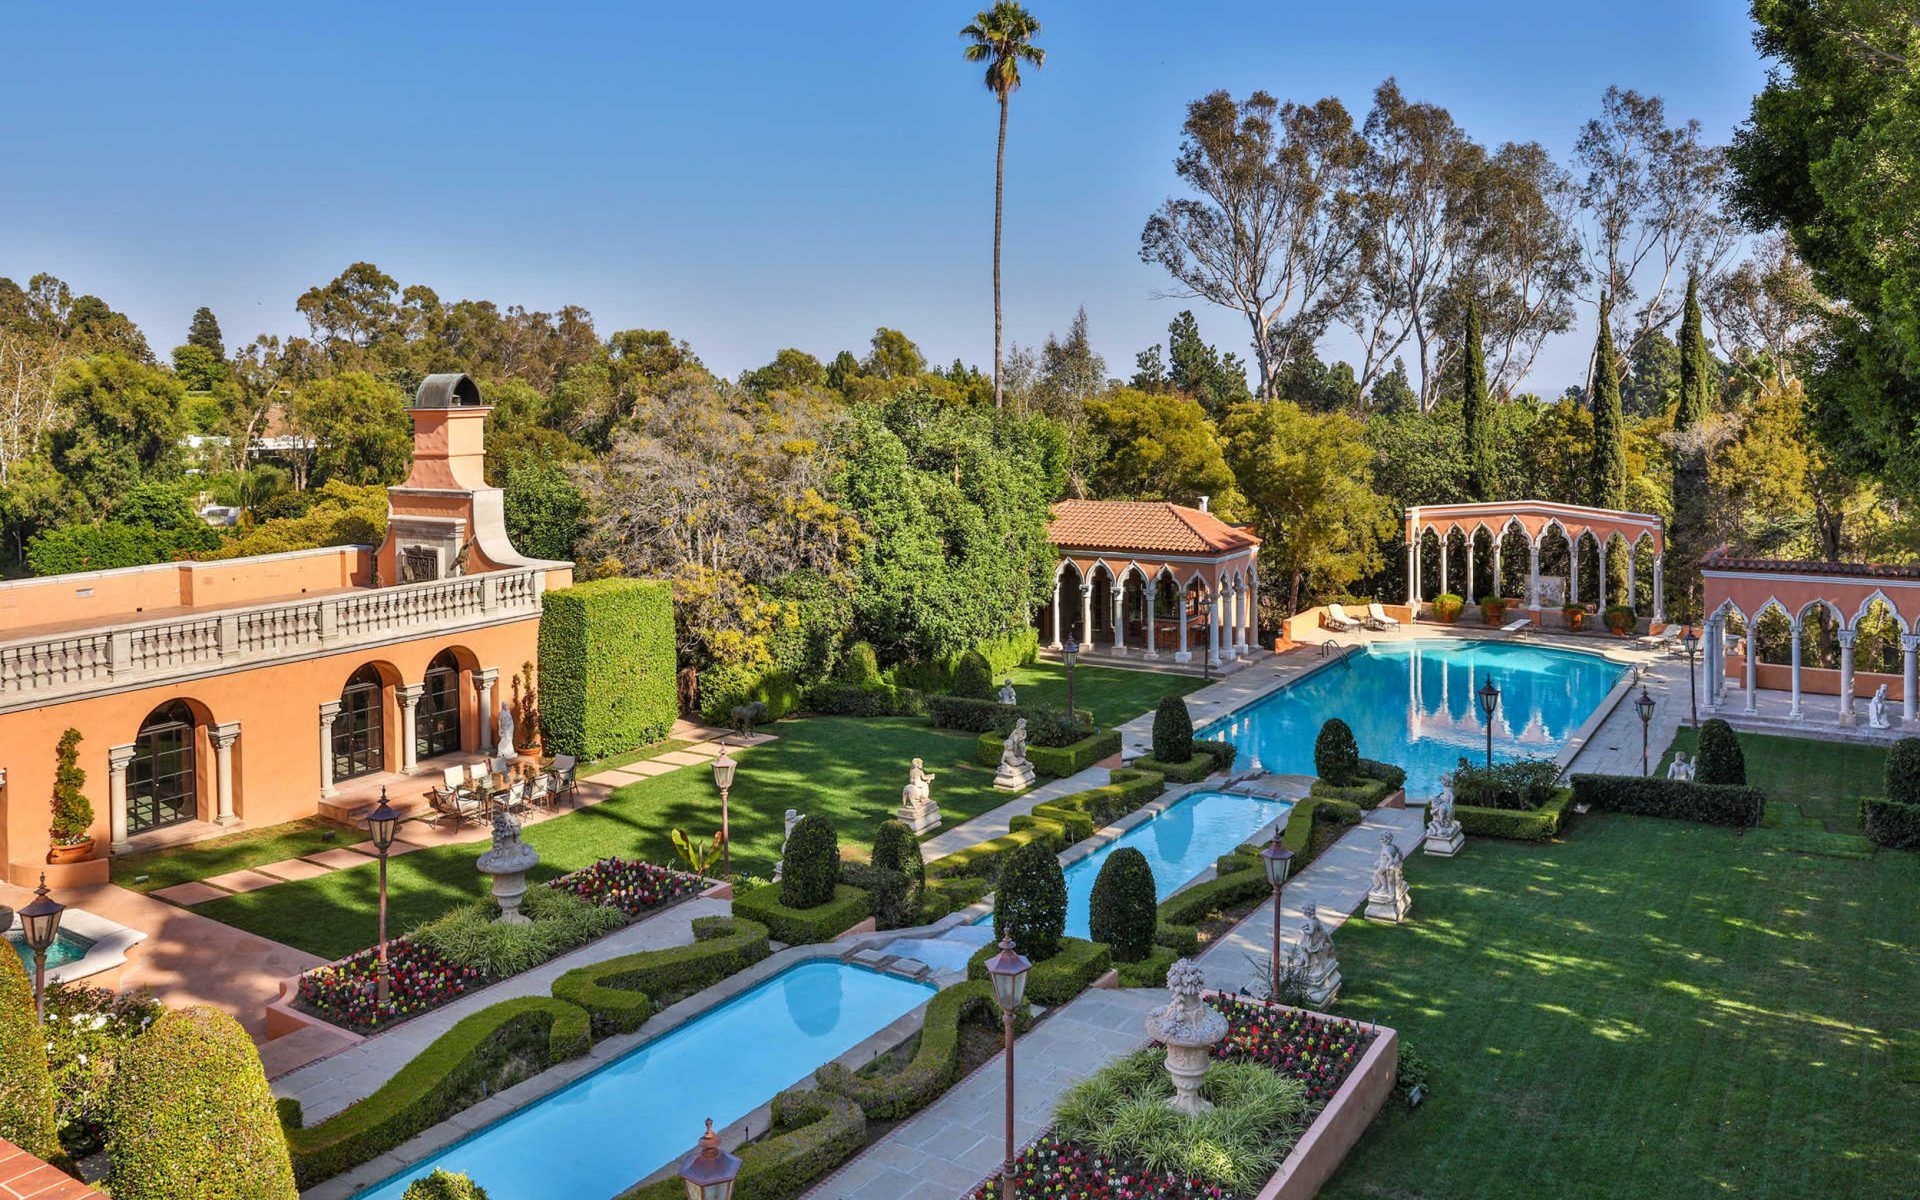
x,y
1002,37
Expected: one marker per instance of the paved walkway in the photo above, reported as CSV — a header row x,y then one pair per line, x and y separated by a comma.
x,y
1819,715
1614,747
996,822
325,1087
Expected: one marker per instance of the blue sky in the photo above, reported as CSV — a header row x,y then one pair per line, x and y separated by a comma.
x,y
749,175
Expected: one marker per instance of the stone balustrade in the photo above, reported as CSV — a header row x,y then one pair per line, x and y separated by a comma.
x,y
40,669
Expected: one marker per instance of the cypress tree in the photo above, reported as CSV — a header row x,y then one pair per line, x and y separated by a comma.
x,y
205,332
1607,476
1482,470
1696,364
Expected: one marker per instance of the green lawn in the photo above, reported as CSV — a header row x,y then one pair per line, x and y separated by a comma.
x,y
1114,695
1826,779
233,852
1652,1009
851,770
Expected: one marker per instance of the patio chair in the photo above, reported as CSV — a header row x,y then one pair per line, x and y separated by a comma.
x,y
477,773
1338,620
1378,618
563,781
455,805
502,765
540,791
453,778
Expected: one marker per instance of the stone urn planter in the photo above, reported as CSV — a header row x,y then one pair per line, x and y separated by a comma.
x,y
1620,620
1576,618
1447,606
1493,611
1189,1029
508,863
76,852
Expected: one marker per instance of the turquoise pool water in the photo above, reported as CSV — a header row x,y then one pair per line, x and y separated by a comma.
x,y
1179,844
1413,704
608,1130
66,948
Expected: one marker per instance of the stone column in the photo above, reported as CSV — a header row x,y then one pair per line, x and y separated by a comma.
x,y
1213,630
1148,596
1793,710
1444,539
1909,668
1753,658
329,713
1120,618
1659,590
483,687
1253,604
1224,615
1846,676
408,695
1468,592
223,737
1086,615
1059,611
1709,632
117,759
1600,586
1533,579
1573,572
1633,601
1413,571
1498,589
1181,654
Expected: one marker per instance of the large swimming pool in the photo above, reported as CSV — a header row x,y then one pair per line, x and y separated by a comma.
x,y
608,1130
1413,704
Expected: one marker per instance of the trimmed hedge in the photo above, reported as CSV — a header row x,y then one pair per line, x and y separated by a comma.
x,y
1081,813
1030,902
899,875
1678,799
1890,823
1903,771
984,859
618,993
1336,756
1056,762
26,1090
1045,726
1719,760
1056,980
1520,825
1240,876
813,1132
810,867
1208,758
607,661
1172,731
880,700
973,677
192,1118
444,1185
492,1049
1151,971
800,926
1371,783
935,1062
1122,907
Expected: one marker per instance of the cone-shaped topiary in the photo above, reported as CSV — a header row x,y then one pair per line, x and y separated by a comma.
x,y
1720,759
896,853
1903,771
1124,909
1336,756
444,1185
1030,902
812,864
26,1090
860,668
973,677
192,1116
1172,731
72,811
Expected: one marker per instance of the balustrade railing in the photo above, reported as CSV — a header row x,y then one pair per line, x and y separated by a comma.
x,y
49,667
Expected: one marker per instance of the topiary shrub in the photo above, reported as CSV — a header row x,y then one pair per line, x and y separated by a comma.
x,y
860,667
811,866
1030,904
973,677
72,821
1336,756
897,858
607,666
192,1116
1124,909
444,1185
1720,760
1447,606
26,1089
1172,731
1903,771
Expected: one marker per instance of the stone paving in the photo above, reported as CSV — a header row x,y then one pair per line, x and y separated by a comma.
x,y
325,1087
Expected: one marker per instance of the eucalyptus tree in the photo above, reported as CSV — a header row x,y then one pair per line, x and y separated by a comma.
x,y
1002,37
1767,311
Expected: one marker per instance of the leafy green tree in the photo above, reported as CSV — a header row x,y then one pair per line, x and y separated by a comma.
x,y
204,331
811,865
1720,759
1322,387
1030,902
973,677
790,370
892,355
1698,374
1336,756
1607,470
106,546
544,511
1002,37
445,1185
72,811
248,490
359,426
1158,446
1123,909
1172,731
1218,381
1393,391
1651,385
199,369
122,426
1483,471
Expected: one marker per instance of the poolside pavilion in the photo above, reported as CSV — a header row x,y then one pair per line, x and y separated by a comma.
x,y
1538,526
1166,575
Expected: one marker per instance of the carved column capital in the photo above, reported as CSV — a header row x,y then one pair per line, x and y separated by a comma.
x,y
118,757
1910,641
409,694
224,736
1846,637
329,713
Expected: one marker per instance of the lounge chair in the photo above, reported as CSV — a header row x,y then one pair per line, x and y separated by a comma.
x,y
1338,620
1377,617
1518,627
1670,636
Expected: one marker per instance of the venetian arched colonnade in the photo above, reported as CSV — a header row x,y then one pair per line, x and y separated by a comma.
x,y
1537,522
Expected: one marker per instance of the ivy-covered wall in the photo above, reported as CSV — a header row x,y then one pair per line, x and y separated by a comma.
x,y
607,666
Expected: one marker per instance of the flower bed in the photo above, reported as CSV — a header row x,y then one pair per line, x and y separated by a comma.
x,y
421,979
1320,1052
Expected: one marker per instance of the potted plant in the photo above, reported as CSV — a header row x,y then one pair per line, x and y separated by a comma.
x,y
70,832
1493,609
1447,606
1576,617
1619,619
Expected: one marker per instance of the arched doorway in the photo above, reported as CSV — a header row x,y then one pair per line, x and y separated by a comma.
x,y
163,787
437,724
360,733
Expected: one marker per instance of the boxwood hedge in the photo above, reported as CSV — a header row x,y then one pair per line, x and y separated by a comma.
x,y
1371,782
26,1091
619,992
1891,823
607,661
813,1132
1521,824
1056,762
799,926
1680,799
935,1062
1056,980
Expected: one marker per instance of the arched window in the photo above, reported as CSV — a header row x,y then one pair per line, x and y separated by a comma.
x,y
162,788
437,724
360,735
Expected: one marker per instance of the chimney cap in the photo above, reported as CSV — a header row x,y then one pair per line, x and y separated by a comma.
x,y
454,389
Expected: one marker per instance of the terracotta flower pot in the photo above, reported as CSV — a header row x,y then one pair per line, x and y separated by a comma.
x,y
78,852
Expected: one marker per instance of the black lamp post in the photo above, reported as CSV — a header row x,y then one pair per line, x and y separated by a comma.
x,y
1643,705
1276,858
708,1172
1691,640
1070,654
1489,703
1008,970
40,922
383,823
723,768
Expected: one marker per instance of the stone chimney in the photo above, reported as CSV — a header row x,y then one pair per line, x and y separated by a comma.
x,y
1203,502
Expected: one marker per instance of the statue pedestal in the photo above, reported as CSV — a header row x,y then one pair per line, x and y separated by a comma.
x,y
919,816
1014,777
1444,843
1322,981
1390,905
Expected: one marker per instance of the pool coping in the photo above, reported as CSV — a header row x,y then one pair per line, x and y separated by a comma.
x,y
502,1104
109,940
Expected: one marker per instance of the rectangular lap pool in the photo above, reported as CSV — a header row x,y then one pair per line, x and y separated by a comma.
x,y
1413,704
607,1131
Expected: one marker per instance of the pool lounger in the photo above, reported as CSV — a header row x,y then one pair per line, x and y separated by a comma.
x,y
1517,628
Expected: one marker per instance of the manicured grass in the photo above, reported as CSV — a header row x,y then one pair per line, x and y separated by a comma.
x,y
233,852
1826,779
1647,1011
851,770
631,756
1114,695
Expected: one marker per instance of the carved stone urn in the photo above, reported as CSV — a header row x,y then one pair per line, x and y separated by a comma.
x,y
1189,1029
508,863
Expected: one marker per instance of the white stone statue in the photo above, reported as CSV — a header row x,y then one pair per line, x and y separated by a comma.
x,y
792,819
1189,1028
1315,955
1005,695
505,746
1680,768
917,810
1387,898
508,863
1016,773
1877,710
1444,836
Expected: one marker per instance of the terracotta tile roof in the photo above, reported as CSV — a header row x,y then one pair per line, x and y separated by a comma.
x,y
1720,560
1143,527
